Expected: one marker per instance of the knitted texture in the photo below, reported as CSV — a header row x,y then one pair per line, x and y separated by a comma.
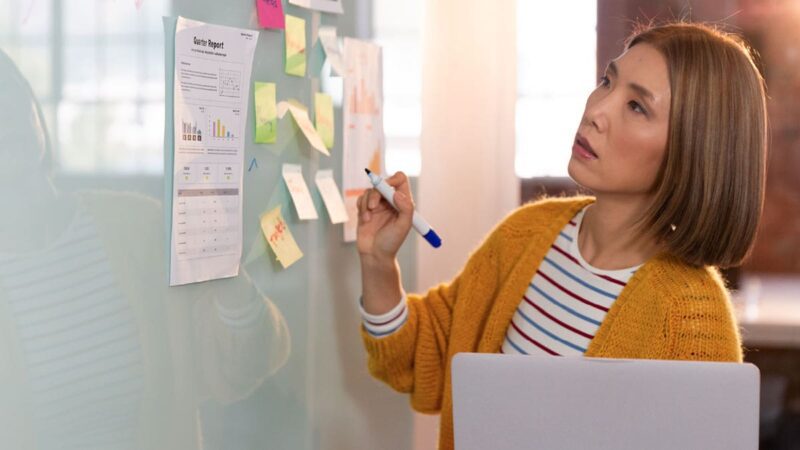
x,y
668,310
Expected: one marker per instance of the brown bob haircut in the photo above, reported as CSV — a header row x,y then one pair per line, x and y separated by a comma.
x,y
709,191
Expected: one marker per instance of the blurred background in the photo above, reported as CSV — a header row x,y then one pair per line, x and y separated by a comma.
x,y
482,100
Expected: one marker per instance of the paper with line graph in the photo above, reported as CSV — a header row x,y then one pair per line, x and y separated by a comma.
x,y
364,142
211,90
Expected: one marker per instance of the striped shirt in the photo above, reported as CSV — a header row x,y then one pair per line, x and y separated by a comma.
x,y
79,341
385,324
564,305
566,301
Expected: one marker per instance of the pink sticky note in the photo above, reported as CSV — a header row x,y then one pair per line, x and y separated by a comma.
x,y
270,13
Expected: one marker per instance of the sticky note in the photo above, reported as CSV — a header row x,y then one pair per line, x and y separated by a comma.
x,y
327,36
270,13
266,113
331,196
300,116
323,108
293,176
295,46
316,59
277,234
330,6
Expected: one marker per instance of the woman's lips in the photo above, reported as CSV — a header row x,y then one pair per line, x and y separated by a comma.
x,y
579,150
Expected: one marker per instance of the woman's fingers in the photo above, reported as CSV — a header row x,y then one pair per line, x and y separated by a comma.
x,y
373,198
361,203
399,181
369,203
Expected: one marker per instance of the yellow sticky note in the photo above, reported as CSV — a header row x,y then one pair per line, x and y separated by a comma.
x,y
280,238
266,113
295,46
300,115
323,108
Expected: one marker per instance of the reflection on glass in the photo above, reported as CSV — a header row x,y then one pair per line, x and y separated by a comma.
x,y
95,350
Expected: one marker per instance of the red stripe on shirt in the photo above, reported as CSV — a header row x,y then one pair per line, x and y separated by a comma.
x,y
388,321
572,294
544,313
572,258
532,340
606,277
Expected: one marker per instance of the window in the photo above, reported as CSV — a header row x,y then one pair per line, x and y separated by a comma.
x,y
398,29
97,68
555,72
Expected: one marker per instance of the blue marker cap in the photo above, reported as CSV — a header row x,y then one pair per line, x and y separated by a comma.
x,y
433,238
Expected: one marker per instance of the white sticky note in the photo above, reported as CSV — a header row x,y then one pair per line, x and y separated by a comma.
x,y
331,196
327,36
293,176
300,116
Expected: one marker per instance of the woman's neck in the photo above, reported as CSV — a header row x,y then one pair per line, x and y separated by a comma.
x,y
609,237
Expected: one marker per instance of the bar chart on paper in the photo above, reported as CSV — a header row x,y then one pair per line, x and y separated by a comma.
x,y
191,132
210,103
224,124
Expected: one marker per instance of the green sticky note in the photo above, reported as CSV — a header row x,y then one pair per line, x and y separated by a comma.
x,y
266,113
323,113
295,46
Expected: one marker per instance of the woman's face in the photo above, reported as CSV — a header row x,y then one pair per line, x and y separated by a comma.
x,y
22,141
624,125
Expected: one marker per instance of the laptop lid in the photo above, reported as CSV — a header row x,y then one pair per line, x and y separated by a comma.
x,y
512,402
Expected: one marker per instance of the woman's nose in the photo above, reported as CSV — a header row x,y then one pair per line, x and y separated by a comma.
x,y
596,114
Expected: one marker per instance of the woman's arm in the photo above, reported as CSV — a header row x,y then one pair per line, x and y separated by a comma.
x,y
241,338
702,325
381,232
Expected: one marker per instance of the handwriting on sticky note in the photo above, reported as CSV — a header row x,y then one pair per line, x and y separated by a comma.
x,y
266,113
296,184
270,14
279,237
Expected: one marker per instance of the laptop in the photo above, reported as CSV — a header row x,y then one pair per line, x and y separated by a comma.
x,y
514,402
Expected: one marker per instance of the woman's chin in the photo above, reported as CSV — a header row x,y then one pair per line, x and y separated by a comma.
x,y
578,174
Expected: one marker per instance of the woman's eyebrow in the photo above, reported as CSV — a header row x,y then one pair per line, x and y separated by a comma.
x,y
612,68
641,90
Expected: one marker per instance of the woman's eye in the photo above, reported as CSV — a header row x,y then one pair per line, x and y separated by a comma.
x,y
636,107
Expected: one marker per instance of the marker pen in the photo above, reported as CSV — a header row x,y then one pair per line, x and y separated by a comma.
x,y
417,222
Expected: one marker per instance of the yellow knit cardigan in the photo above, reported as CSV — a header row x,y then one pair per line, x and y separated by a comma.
x,y
668,310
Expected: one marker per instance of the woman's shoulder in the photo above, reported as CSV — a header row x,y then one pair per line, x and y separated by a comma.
x,y
680,281
700,318
118,200
124,214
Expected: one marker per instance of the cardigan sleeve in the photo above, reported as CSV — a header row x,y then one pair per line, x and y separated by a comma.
x,y
413,359
702,325
240,338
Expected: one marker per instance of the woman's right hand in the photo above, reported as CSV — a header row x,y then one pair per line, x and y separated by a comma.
x,y
381,228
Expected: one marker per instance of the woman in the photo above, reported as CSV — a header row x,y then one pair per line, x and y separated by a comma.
x,y
672,143
95,350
